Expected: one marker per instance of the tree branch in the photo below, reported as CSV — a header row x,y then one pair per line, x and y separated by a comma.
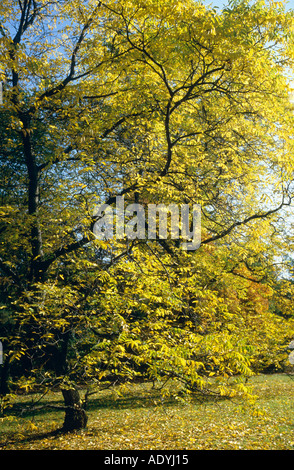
x,y
56,89
11,273
262,215
76,245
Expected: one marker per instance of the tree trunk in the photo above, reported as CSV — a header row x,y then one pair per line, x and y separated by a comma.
x,y
75,415
4,375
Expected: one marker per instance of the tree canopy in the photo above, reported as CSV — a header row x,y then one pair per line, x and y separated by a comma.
x,y
161,103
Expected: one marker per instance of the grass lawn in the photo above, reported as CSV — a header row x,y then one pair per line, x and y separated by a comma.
x,y
140,419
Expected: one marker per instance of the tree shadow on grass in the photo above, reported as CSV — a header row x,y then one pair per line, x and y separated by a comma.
x,y
23,411
38,436
27,411
148,399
